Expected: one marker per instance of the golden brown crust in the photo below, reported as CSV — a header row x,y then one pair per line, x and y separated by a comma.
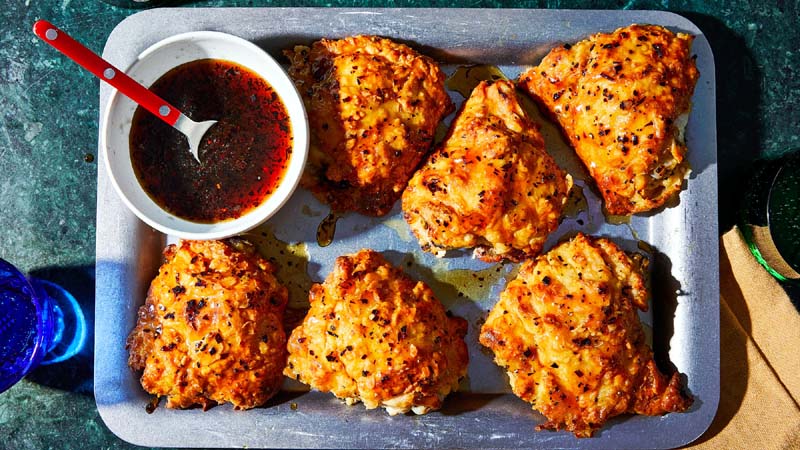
x,y
375,335
210,331
567,331
373,106
491,185
622,99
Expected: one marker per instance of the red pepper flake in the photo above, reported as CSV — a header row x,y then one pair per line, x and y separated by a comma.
x,y
168,348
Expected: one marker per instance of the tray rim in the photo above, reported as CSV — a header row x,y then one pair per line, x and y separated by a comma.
x,y
106,412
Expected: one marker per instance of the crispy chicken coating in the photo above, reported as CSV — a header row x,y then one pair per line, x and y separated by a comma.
x,y
375,335
210,331
373,107
622,100
567,331
490,185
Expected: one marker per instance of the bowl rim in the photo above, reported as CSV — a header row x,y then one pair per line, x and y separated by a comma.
x,y
300,145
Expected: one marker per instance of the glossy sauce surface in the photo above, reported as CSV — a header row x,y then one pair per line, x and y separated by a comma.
x,y
465,78
243,157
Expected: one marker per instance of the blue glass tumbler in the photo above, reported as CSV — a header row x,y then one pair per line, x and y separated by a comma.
x,y
40,323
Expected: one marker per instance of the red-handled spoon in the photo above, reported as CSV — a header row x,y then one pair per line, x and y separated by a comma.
x,y
144,97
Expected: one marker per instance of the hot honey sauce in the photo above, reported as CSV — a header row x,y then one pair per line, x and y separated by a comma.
x,y
243,157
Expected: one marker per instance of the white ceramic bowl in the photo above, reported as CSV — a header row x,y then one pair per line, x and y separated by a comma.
x,y
151,65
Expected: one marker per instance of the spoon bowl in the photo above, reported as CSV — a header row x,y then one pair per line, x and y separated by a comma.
x,y
194,132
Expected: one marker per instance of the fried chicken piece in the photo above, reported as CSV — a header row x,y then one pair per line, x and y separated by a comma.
x,y
490,185
210,331
373,106
622,100
375,335
567,331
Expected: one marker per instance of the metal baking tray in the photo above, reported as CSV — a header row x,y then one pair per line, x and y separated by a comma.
x,y
681,241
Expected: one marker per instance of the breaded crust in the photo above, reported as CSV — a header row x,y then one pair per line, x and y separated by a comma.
x,y
567,331
490,185
622,100
373,106
210,331
375,335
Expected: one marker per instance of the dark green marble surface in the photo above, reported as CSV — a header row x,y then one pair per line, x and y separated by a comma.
x,y
48,172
